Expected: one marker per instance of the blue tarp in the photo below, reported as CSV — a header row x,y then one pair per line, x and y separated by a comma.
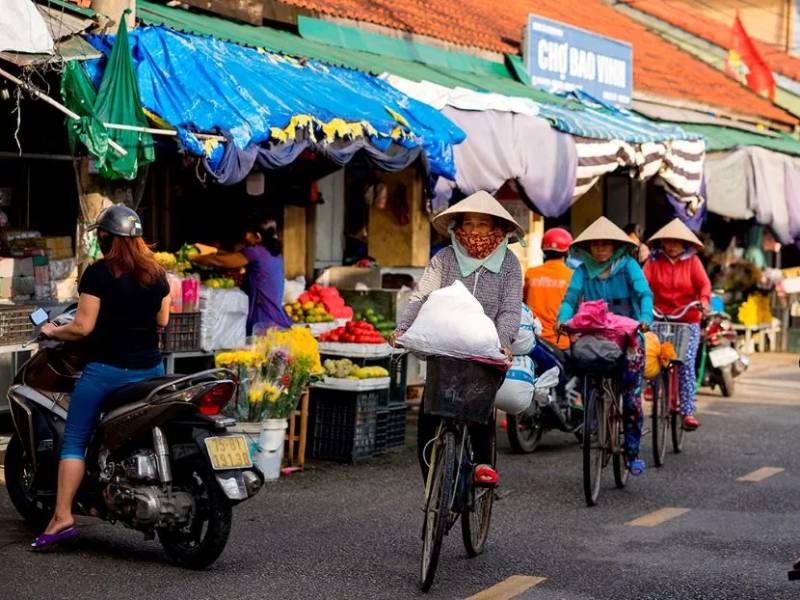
x,y
257,98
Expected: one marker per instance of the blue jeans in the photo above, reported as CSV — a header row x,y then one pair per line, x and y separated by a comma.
x,y
97,381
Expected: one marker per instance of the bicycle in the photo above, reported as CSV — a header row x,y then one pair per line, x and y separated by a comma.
x,y
603,429
460,392
666,408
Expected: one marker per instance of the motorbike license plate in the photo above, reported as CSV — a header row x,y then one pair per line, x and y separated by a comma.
x,y
228,452
722,357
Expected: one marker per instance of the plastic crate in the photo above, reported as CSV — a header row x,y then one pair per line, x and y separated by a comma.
x,y
15,325
678,334
390,429
182,334
342,425
398,371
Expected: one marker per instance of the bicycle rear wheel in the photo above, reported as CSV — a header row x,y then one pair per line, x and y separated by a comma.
x,y
677,417
594,435
437,507
661,416
475,523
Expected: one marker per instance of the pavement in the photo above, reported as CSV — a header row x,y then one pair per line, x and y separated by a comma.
x,y
719,521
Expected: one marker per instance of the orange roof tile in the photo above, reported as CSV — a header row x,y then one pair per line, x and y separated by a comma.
x,y
683,16
659,66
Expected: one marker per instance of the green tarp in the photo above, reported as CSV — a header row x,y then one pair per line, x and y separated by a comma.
x,y
117,101
726,138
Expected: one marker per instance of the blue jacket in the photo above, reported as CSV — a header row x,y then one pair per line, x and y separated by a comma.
x,y
625,290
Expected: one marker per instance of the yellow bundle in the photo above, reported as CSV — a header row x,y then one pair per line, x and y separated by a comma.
x,y
657,355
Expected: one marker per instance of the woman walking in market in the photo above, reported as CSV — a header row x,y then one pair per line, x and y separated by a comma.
x,y
262,259
609,272
677,278
480,230
123,301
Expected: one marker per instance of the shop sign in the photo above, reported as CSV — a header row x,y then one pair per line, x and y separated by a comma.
x,y
560,58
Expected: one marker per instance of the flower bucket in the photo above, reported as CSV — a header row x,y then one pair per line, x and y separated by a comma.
x,y
269,457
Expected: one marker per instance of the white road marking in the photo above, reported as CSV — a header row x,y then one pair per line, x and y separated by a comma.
x,y
508,588
761,474
656,518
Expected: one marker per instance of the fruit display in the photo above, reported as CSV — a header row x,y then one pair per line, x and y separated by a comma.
x,y
330,298
223,283
166,259
345,369
308,312
355,332
384,326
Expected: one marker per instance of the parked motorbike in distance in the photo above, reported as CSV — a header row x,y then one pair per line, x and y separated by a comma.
x,y
161,460
559,409
718,359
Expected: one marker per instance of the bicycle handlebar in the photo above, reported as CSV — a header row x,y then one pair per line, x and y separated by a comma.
x,y
679,315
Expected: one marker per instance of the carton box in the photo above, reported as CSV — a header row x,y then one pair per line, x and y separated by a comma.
x,y
16,267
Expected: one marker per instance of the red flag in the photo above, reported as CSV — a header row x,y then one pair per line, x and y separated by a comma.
x,y
745,63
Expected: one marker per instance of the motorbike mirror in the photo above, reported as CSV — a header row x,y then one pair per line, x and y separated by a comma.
x,y
39,317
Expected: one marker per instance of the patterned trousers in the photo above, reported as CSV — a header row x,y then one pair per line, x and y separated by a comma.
x,y
688,374
632,415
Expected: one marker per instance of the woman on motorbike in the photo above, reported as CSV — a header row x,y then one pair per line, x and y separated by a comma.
x,y
609,272
480,230
677,278
123,300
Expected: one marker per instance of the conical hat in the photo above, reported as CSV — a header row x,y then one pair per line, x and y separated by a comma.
x,y
603,229
676,230
479,202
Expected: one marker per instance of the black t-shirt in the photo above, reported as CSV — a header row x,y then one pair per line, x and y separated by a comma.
x,y
126,332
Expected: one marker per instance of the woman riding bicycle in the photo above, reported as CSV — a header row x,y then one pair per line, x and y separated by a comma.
x,y
609,272
480,230
677,278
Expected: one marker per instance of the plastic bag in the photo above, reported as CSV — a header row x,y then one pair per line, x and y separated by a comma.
x,y
595,354
525,339
452,323
652,355
544,385
516,393
224,318
292,288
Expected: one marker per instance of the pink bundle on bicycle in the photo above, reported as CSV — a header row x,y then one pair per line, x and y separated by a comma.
x,y
593,318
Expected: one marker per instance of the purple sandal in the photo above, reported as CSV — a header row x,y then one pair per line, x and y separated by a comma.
x,y
50,540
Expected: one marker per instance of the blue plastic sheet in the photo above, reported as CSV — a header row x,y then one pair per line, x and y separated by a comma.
x,y
259,99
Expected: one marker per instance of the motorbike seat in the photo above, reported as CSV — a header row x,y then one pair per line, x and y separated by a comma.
x,y
135,392
554,350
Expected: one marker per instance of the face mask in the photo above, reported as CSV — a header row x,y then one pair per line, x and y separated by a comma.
x,y
106,243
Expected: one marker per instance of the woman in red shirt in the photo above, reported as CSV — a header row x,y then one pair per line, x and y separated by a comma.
x,y
677,278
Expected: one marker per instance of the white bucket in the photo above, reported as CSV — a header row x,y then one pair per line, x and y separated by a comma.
x,y
269,457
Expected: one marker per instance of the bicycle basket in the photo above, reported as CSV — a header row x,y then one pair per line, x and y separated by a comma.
x,y
461,389
593,354
678,334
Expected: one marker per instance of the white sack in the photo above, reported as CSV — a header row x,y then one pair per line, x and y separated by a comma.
x,y
525,339
452,323
292,289
516,393
223,322
22,28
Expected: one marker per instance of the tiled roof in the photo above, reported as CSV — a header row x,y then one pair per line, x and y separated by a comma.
x,y
659,66
681,15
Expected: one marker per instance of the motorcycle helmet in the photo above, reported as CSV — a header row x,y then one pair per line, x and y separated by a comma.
x,y
119,220
556,240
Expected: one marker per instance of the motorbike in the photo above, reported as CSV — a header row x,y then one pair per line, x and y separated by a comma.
x,y
558,409
718,360
161,460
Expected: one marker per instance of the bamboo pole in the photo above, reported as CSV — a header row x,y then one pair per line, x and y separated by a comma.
x,y
151,130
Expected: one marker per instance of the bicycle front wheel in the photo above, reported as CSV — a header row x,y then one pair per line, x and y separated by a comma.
x,y
661,416
594,435
437,507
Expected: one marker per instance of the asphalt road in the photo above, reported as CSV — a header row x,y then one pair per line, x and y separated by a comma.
x,y
353,532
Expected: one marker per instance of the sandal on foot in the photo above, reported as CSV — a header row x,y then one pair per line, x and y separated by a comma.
x,y
690,423
486,476
636,466
51,540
